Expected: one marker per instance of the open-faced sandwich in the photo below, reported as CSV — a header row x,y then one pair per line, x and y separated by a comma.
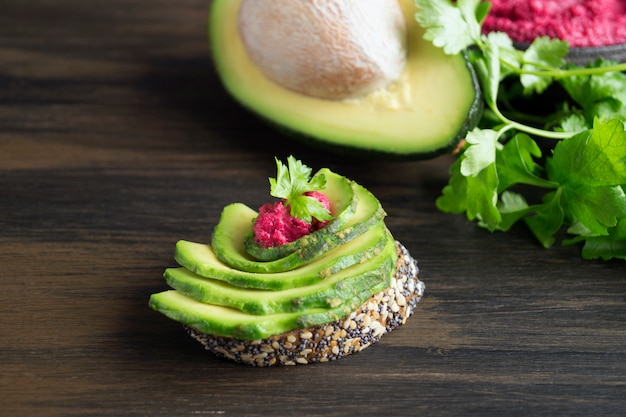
x,y
312,277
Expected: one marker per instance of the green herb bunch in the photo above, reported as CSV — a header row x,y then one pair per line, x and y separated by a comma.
x,y
573,155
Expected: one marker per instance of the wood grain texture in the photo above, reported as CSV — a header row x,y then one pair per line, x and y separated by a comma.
x,y
116,140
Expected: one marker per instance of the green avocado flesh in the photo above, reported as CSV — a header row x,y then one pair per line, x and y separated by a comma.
x,y
229,322
201,259
343,208
236,219
371,273
326,278
425,113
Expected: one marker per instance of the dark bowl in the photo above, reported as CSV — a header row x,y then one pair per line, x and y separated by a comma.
x,y
582,55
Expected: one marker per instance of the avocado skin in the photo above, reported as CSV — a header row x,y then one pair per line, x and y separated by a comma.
x,y
355,148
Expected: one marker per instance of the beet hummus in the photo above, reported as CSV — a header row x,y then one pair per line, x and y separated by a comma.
x,y
582,23
275,226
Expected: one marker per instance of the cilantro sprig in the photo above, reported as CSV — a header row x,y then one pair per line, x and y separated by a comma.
x,y
291,184
581,177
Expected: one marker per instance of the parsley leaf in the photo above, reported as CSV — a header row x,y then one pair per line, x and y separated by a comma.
x,y
543,52
292,182
583,176
516,163
512,207
596,158
547,218
606,247
480,153
476,195
599,95
449,26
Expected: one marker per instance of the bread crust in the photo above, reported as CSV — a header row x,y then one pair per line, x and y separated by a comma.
x,y
381,314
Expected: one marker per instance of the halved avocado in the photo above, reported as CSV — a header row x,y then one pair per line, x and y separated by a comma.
x,y
425,113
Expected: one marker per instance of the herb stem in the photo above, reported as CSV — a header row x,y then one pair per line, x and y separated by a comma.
x,y
568,72
548,134
512,124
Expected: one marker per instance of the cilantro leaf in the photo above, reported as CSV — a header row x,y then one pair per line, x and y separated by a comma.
x,y
291,184
543,52
607,247
508,55
599,95
591,166
597,208
592,158
481,151
516,163
585,173
512,207
574,123
547,218
452,27
475,195
489,73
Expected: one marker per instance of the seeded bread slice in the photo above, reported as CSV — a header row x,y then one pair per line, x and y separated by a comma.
x,y
378,316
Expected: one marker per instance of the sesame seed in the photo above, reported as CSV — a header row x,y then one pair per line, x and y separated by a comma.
x,y
400,300
364,326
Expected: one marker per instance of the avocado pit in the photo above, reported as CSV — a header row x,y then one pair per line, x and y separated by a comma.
x,y
334,49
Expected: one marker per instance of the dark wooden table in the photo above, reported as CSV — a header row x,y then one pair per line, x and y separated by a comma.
x,y
116,140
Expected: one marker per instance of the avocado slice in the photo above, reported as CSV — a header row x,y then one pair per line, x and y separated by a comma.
x,y
230,322
236,219
201,259
371,273
343,202
425,113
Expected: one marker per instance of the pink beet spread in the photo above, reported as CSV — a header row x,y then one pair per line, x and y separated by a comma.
x,y
580,22
275,226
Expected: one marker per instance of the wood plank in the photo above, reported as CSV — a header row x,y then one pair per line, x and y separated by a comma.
x,y
116,140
